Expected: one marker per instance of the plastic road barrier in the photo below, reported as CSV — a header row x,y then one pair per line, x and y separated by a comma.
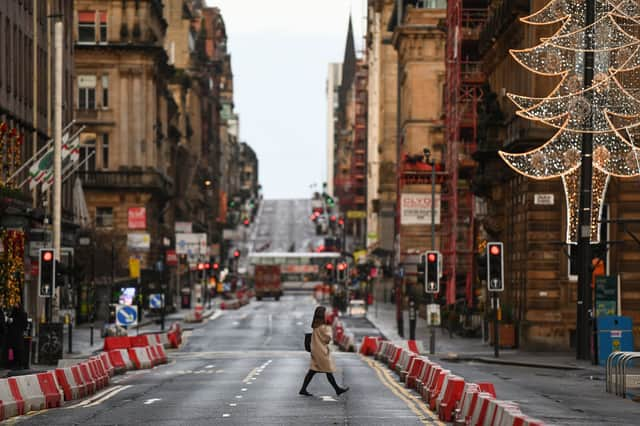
x,y
29,388
480,409
49,387
141,340
414,371
449,398
88,380
116,342
120,360
435,390
85,389
140,358
403,364
161,354
396,357
12,402
70,386
382,347
431,381
369,345
467,403
106,362
421,381
100,369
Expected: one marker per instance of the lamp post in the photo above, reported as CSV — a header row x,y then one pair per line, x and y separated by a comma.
x,y
431,162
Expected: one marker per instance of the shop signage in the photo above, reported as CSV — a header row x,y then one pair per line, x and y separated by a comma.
x,y
356,214
606,295
137,218
140,241
299,269
416,209
543,199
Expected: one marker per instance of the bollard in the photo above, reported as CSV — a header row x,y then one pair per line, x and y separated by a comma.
x,y
91,335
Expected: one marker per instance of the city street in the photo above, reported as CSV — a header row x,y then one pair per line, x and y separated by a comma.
x,y
245,367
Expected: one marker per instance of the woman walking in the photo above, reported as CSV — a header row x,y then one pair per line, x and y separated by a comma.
x,y
321,359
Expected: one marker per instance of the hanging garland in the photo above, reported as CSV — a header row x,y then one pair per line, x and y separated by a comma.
x,y
11,267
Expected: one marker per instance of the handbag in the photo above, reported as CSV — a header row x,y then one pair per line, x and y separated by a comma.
x,y
307,342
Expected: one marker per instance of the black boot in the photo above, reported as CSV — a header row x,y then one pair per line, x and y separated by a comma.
x,y
307,380
338,389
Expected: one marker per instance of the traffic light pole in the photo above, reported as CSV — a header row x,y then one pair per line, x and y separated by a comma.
x,y
496,327
432,330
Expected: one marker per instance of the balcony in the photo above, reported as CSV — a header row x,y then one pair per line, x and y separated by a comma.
x,y
148,180
472,23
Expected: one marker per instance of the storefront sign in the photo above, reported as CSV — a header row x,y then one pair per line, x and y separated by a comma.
x,y
299,269
543,199
140,241
356,214
416,209
606,295
137,218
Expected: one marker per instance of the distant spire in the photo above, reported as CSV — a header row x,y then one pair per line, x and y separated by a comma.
x,y
350,49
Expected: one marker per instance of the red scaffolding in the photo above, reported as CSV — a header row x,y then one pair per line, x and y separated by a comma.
x,y
462,94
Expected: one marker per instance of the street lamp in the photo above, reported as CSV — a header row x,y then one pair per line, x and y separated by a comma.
x,y
207,182
431,162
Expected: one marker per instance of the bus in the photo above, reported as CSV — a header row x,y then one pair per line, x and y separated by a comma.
x,y
298,271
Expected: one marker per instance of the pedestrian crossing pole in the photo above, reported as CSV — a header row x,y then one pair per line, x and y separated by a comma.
x,y
57,156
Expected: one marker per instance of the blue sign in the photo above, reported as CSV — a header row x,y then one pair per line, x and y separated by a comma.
x,y
156,301
126,315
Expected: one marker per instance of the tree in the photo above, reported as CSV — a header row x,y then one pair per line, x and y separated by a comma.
x,y
606,107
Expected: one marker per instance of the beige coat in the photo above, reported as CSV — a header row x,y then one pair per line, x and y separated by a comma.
x,y
321,359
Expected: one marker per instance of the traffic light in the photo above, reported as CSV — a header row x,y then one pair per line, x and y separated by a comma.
x,y
341,222
200,266
236,253
207,266
328,199
46,272
329,266
246,221
332,219
495,267
343,271
216,266
432,272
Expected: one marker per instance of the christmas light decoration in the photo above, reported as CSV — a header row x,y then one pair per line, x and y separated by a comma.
x,y
11,267
609,108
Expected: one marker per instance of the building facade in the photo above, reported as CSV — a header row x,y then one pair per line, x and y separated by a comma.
x,y
26,124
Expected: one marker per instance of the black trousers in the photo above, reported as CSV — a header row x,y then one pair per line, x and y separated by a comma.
x,y
311,373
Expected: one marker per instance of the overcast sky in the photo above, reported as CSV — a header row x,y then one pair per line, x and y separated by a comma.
x,y
280,51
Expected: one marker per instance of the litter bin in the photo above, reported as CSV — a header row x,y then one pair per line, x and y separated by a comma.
x,y
26,358
614,334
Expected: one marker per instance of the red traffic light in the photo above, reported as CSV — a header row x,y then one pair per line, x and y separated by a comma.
x,y
494,250
431,258
200,266
207,266
236,253
47,256
342,266
333,218
341,221
246,222
216,266
329,266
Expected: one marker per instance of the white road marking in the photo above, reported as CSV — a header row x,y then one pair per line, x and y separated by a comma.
x,y
210,366
109,395
151,401
96,397
243,389
299,323
216,315
226,415
233,404
328,399
249,376
238,396
236,323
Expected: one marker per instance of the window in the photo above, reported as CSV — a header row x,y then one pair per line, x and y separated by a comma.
x,y
105,91
104,217
87,27
105,151
103,26
87,152
87,92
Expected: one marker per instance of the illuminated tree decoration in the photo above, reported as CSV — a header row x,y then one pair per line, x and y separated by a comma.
x,y
609,108
11,267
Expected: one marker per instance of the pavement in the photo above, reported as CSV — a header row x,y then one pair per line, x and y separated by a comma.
x,y
458,348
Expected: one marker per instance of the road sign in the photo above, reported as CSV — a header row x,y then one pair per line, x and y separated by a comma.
x,y
156,301
126,315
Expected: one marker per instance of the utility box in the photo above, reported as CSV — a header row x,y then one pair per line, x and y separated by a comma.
x,y
615,334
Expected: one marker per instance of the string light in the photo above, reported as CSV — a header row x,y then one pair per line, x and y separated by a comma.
x,y
609,108
12,266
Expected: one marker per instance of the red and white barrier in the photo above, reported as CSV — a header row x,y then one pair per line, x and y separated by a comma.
x,y
140,358
72,386
106,362
29,389
12,402
480,410
449,397
49,386
121,360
